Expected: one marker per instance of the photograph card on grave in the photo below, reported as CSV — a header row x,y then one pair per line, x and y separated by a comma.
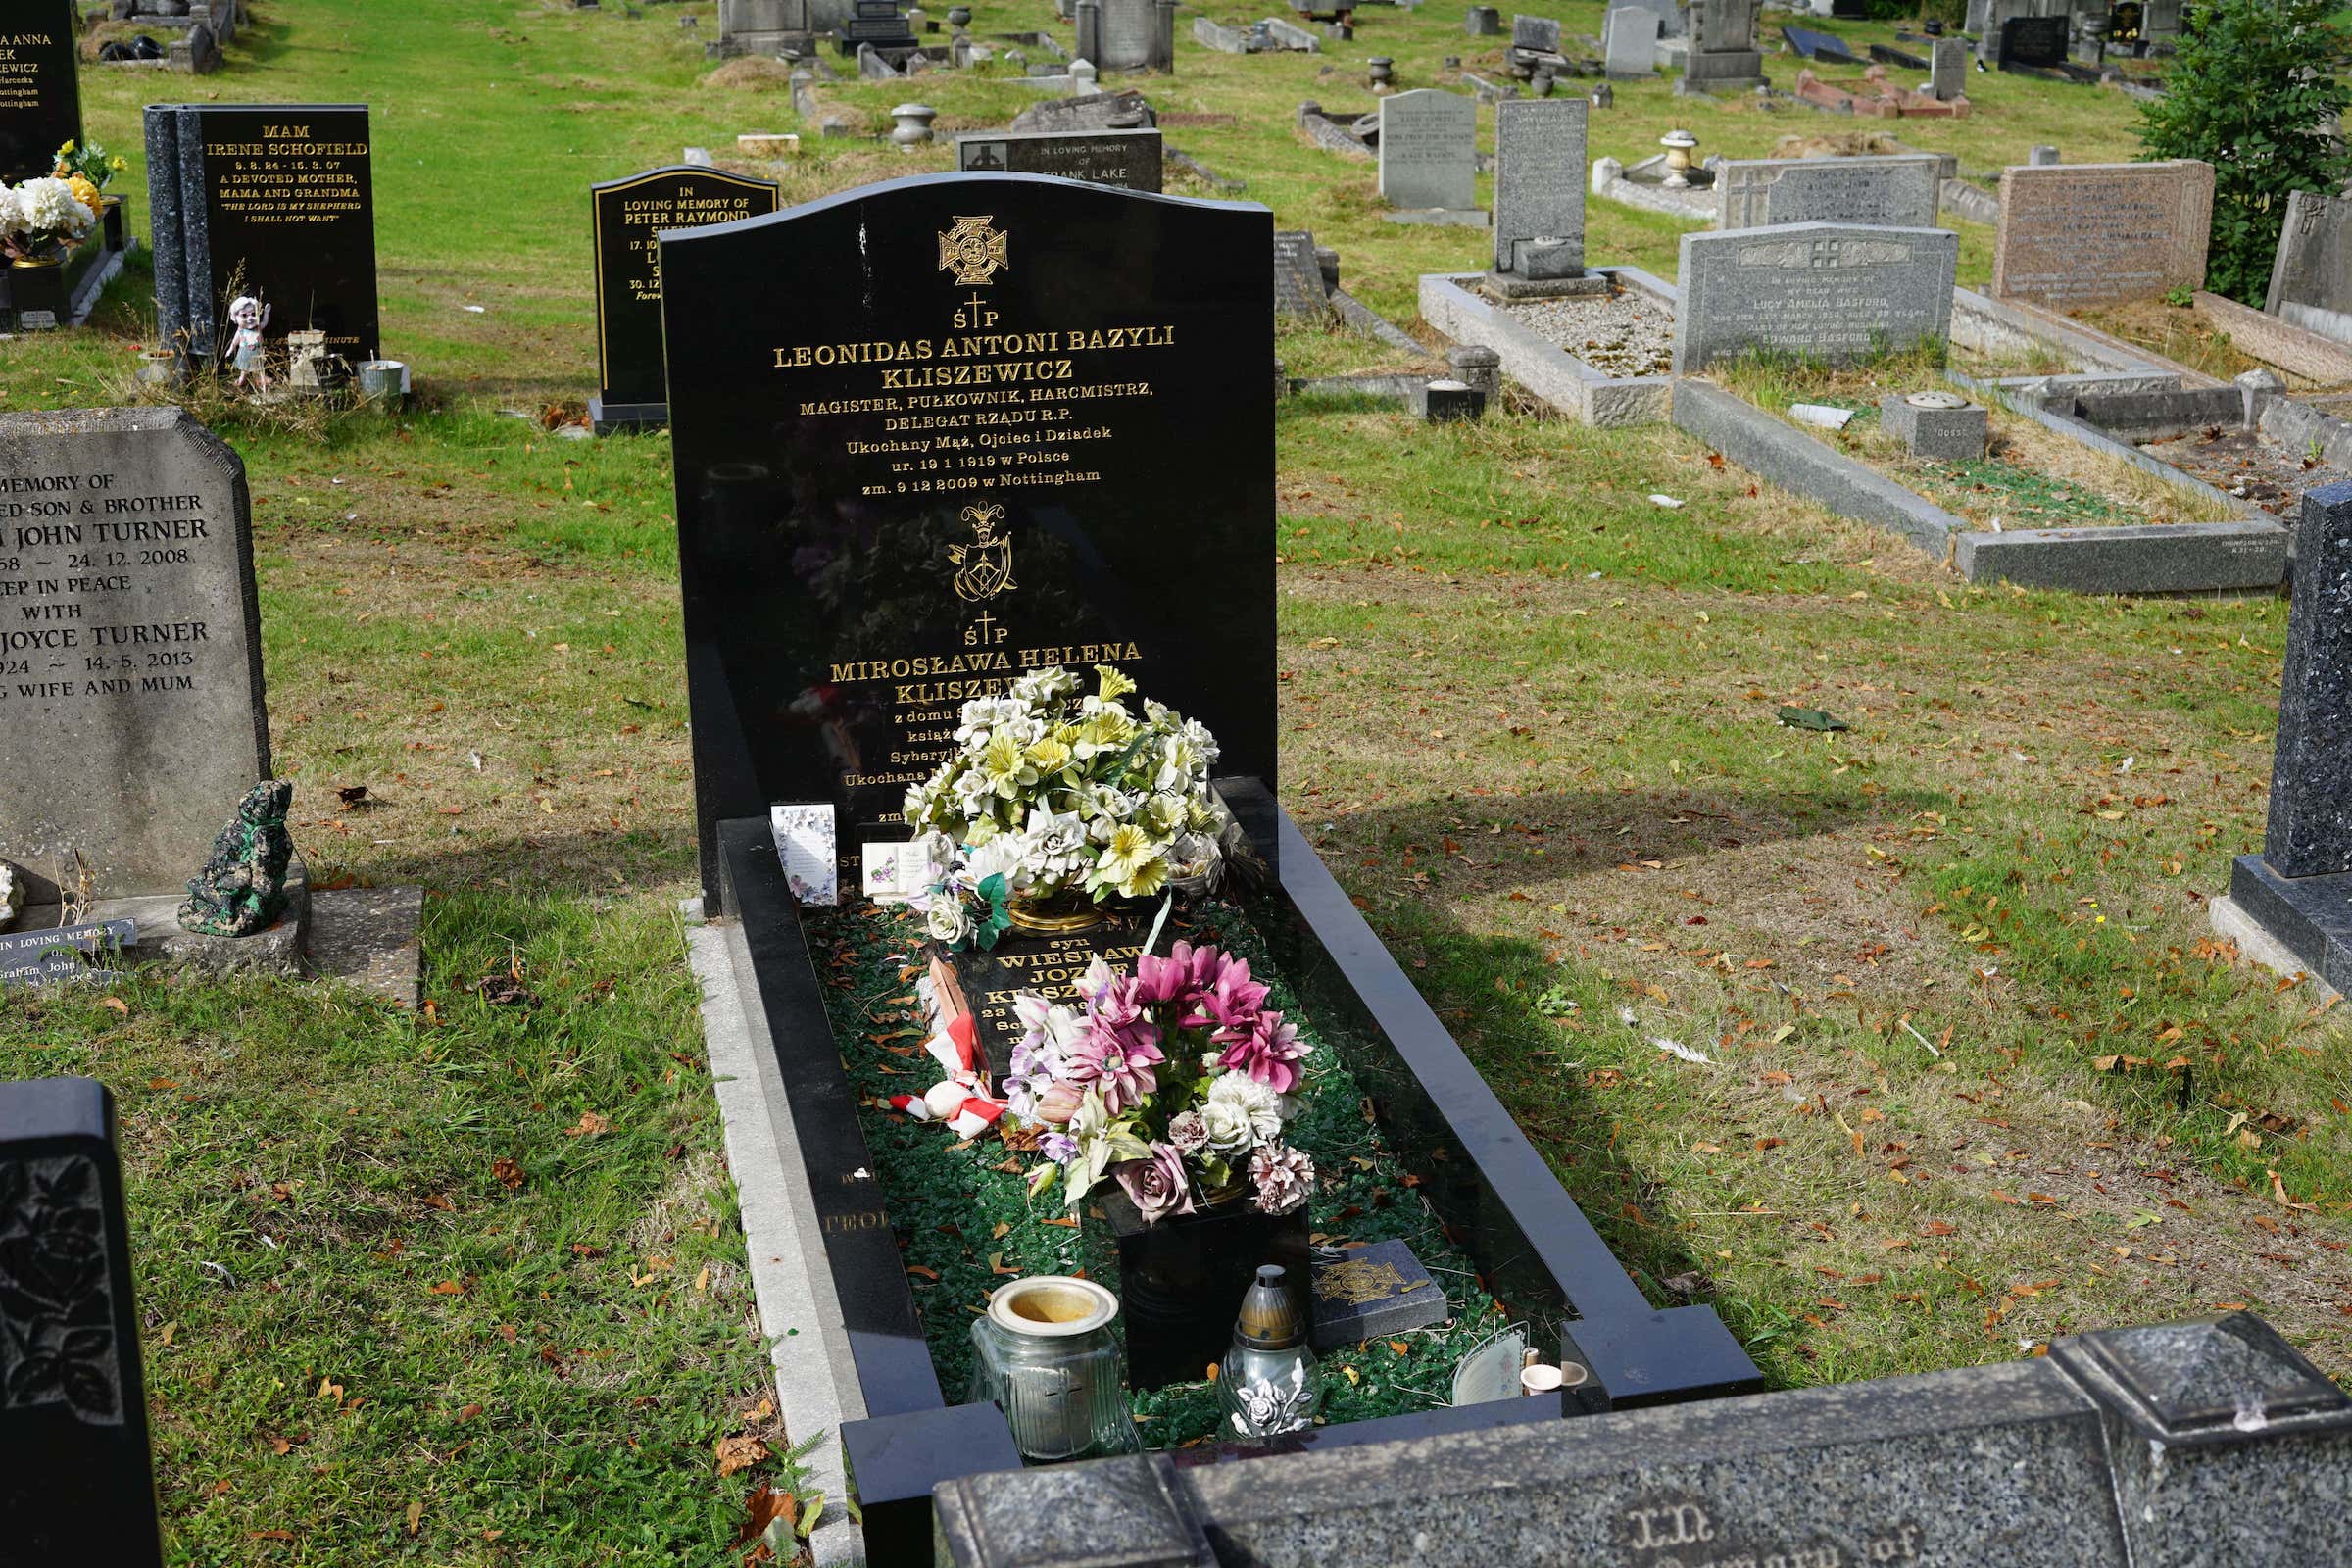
x,y
131,647
628,217
40,93
956,428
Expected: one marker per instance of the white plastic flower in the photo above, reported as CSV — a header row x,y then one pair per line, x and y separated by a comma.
x,y
1260,1105
945,922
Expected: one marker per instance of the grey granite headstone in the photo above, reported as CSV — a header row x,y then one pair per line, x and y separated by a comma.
x,y
1723,56
1539,187
1481,21
131,653
1128,159
1300,288
1837,292
2311,769
2196,1443
2310,280
1539,33
1126,28
1629,43
1429,150
1895,192
1947,69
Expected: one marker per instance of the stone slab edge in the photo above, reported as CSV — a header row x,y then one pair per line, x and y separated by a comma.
x,y
800,1313
1773,450
1982,322
1371,323
2231,923
1450,304
2297,350
2308,918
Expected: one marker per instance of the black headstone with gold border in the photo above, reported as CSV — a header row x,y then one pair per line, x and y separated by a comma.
x,y
627,217
934,433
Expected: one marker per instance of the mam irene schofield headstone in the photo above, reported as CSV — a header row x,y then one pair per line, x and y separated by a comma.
x,y
130,658
76,1484
1839,292
627,217
955,431
2077,235
41,97
271,202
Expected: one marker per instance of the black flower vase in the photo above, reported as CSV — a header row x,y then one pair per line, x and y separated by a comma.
x,y
1181,1281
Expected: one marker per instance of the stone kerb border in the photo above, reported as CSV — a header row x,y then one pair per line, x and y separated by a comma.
x,y
1451,303
2170,557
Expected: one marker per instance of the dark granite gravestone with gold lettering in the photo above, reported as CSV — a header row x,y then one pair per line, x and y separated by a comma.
x,y
276,201
40,93
627,217
865,389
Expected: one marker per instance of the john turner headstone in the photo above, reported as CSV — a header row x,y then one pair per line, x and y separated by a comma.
x,y
1837,292
961,428
131,656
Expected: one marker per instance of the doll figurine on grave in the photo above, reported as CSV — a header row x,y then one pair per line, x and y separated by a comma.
x,y
242,888
245,350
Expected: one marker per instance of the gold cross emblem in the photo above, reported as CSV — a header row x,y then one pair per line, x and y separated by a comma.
x,y
972,250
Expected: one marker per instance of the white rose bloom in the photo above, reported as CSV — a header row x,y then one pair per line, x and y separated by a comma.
x,y
12,209
945,920
1260,1106
972,792
1001,855
1229,1127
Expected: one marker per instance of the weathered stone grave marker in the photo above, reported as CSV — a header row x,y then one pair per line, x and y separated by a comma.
x,y
1895,192
2077,235
1299,286
2311,280
1629,43
1839,292
1540,198
626,218
1723,56
1429,156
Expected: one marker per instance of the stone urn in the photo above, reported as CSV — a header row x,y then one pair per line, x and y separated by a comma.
x,y
1383,71
1679,145
959,16
914,125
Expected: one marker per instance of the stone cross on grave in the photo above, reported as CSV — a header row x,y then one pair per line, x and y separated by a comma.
x,y
1829,252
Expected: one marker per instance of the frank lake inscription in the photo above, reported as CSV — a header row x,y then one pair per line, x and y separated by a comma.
x,y
959,428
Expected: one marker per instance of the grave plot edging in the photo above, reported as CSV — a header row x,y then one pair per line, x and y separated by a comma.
x,y
1451,303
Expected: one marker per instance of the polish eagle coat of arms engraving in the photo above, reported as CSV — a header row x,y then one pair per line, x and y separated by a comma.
x,y
984,567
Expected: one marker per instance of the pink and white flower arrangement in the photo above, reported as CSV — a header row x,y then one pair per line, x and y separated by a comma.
x,y
1172,1081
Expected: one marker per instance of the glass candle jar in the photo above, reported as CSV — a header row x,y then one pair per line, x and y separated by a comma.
x,y
1048,1355
1267,1383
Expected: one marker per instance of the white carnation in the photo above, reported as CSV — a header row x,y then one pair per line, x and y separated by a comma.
x,y
1260,1106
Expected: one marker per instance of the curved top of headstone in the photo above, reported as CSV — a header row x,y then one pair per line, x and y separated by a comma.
x,y
2219,1381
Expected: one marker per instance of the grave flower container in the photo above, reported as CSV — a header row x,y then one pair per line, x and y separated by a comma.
x,y
36,289
1180,1281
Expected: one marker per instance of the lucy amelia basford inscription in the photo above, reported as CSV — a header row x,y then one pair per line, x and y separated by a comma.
x,y
935,433
130,661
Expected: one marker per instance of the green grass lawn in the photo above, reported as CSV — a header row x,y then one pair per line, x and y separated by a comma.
x,y
1977,1076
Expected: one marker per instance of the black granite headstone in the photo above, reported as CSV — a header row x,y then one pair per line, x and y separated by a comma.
x,y
627,217
2127,21
1130,159
274,201
41,97
2033,41
871,392
75,1479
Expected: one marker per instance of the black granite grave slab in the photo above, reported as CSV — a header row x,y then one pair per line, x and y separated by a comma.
x,y
270,200
922,376
40,93
1130,159
626,218
75,1478
2033,41
2310,828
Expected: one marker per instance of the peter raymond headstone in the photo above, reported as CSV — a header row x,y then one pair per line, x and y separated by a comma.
x,y
40,95
2082,235
1429,151
1839,292
1131,160
627,217
130,655
77,1484
961,428
1895,192
270,200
